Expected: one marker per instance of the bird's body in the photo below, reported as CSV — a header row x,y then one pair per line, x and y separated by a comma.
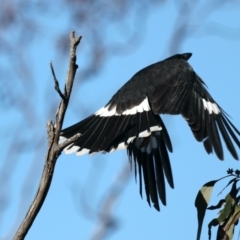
x,y
131,121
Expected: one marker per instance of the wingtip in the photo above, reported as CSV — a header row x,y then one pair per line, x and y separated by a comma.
x,y
157,208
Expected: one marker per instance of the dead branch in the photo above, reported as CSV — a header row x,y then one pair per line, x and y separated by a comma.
x,y
54,149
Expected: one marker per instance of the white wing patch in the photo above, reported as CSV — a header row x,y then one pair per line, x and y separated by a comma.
x,y
82,152
147,133
130,139
62,139
123,145
211,107
104,112
143,106
72,149
141,135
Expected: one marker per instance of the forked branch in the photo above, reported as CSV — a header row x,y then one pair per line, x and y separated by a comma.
x,y
54,149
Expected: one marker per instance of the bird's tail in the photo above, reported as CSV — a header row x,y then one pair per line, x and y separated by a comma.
x,y
151,163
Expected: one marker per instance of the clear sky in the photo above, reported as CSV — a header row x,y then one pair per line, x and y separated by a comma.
x,y
214,41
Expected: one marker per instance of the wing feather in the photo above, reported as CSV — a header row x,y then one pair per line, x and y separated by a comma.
x,y
208,121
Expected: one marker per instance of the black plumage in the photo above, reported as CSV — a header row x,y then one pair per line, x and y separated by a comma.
x,y
131,121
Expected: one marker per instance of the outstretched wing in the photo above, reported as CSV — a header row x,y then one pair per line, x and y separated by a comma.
x,y
107,130
208,121
140,131
179,90
130,121
132,111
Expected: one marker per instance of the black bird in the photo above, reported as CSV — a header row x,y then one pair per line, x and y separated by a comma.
x,y
131,121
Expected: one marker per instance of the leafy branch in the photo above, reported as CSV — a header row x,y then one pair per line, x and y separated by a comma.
x,y
229,207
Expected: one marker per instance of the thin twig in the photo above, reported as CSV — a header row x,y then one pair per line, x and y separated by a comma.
x,y
68,141
56,83
69,83
54,149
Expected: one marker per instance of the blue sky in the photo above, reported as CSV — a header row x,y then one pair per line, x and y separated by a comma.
x,y
214,41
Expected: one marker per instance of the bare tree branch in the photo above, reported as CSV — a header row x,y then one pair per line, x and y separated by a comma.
x,y
68,142
54,150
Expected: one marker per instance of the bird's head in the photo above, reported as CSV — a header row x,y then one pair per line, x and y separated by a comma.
x,y
184,56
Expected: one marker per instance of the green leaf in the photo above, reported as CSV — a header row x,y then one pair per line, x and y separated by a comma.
x,y
230,204
229,215
227,209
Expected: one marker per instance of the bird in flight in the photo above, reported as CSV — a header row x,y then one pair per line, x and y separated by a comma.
x,y
130,120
